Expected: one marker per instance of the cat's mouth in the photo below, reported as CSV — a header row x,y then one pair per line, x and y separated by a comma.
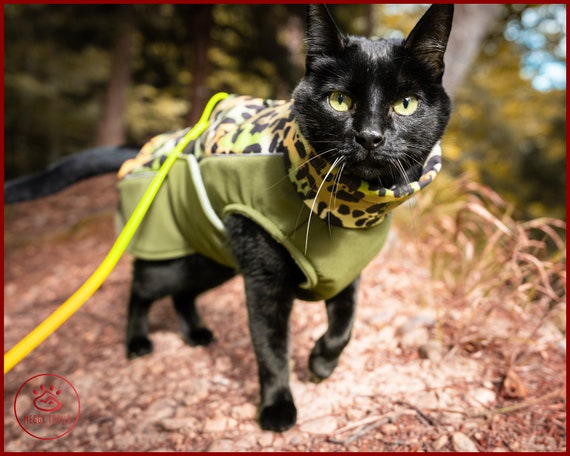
x,y
381,171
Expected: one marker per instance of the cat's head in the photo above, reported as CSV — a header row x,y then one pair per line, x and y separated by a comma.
x,y
379,103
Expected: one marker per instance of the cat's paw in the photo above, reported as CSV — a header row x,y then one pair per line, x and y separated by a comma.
x,y
200,336
278,417
139,346
321,367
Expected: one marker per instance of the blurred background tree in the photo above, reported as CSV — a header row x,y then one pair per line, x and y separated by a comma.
x,y
509,126
79,75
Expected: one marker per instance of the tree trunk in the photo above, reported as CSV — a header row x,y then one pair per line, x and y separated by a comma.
x,y
112,125
201,22
471,24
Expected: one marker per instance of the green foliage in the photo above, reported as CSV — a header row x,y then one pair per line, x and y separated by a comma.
x,y
503,132
45,81
480,254
162,111
250,52
510,136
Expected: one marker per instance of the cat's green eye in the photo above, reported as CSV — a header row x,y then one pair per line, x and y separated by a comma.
x,y
340,101
406,106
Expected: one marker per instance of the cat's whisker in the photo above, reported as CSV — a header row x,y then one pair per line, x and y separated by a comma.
x,y
301,166
408,203
419,157
320,154
332,167
413,159
332,197
338,179
402,172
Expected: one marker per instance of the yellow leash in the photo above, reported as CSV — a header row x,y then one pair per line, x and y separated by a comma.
x,y
69,307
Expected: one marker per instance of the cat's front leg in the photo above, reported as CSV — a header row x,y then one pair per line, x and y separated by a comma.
x,y
270,277
340,312
269,327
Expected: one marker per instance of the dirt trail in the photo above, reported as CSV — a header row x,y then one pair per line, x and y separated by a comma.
x,y
397,388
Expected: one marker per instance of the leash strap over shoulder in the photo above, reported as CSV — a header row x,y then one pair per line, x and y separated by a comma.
x,y
69,307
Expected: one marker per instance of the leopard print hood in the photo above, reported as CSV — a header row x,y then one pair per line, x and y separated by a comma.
x,y
344,200
246,125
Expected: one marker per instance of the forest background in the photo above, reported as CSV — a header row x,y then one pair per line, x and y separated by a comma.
x,y
77,76
461,335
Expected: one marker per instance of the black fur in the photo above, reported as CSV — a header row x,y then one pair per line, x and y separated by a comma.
x,y
153,280
375,74
377,145
89,163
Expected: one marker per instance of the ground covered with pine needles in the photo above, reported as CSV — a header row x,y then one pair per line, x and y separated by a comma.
x,y
459,342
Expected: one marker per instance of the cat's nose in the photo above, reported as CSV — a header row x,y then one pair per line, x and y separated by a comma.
x,y
370,139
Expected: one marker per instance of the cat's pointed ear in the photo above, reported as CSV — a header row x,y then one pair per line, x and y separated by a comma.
x,y
428,40
323,36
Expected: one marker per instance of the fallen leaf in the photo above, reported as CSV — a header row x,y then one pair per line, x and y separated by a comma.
x,y
513,386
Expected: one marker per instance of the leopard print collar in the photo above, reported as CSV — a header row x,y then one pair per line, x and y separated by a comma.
x,y
246,125
253,125
343,200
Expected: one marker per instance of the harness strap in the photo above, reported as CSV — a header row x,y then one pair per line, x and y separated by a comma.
x,y
69,307
203,195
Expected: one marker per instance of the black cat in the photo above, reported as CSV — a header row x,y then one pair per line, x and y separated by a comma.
x,y
360,136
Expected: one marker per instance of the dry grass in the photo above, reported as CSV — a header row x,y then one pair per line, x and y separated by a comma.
x,y
479,252
499,284
480,255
